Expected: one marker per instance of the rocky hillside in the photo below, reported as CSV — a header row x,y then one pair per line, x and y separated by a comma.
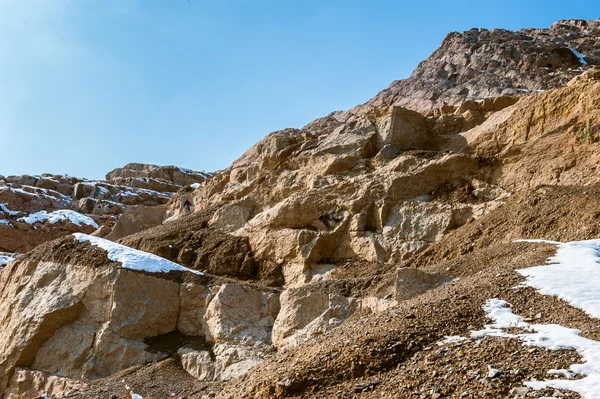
x,y
480,63
36,209
373,253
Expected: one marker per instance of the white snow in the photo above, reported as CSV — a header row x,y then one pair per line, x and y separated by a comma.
x,y
195,185
504,318
5,222
132,258
58,216
21,191
102,191
563,372
452,339
552,337
135,396
573,275
4,259
579,56
194,172
4,208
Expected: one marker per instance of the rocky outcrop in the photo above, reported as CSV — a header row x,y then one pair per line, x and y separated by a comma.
x,y
303,199
141,203
480,63
238,320
32,215
71,312
154,177
71,317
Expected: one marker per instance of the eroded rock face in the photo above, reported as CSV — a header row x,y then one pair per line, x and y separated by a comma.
x,y
27,384
241,314
135,219
482,63
306,313
238,320
154,177
335,200
230,361
69,312
72,319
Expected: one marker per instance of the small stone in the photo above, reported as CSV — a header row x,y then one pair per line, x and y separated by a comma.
x,y
518,391
492,372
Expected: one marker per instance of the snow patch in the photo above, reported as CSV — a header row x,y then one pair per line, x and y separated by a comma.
x,y
5,259
573,274
552,337
195,185
579,56
59,216
422,198
4,208
496,310
132,258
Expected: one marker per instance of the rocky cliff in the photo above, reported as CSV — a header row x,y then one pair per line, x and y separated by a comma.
x,y
355,257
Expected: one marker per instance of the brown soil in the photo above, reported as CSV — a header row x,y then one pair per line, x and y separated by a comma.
x,y
356,268
160,380
459,191
190,242
549,212
67,250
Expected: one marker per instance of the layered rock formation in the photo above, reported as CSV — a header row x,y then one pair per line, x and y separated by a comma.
x,y
326,261
29,204
154,177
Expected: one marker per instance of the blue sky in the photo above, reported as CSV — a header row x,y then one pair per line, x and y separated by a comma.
x,y
90,85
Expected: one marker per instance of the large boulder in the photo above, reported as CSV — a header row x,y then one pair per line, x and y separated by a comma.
x,y
86,308
68,310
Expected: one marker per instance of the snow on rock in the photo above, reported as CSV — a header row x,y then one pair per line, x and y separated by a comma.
x,y
573,275
59,216
4,208
580,56
195,185
132,258
4,259
135,396
552,337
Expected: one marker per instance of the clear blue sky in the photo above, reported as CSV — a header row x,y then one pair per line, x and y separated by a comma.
x,y
89,85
